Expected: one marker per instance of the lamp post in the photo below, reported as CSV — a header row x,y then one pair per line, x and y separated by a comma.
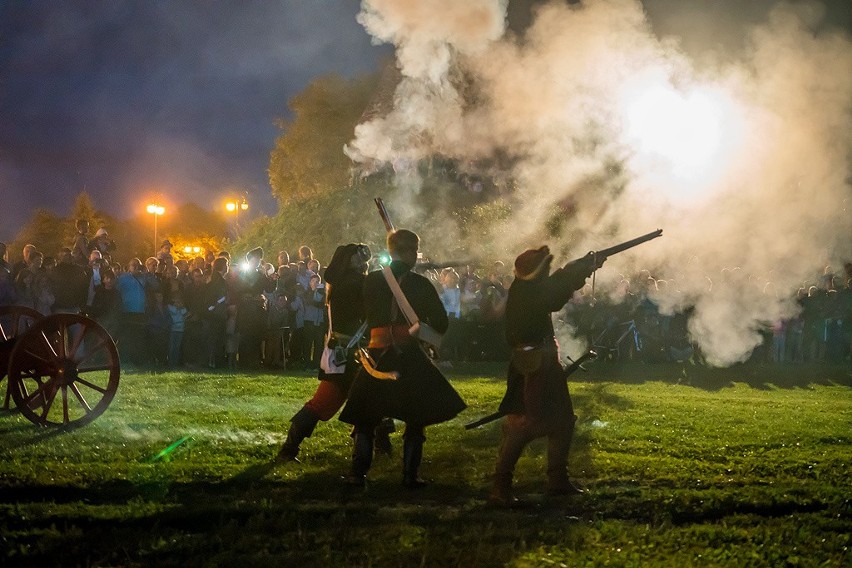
x,y
156,210
235,206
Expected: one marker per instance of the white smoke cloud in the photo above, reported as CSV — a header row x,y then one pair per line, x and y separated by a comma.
x,y
745,165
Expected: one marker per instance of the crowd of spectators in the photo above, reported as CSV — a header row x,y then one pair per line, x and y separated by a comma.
x,y
216,312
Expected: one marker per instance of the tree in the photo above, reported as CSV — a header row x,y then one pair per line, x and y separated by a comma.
x,y
40,231
84,209
308,158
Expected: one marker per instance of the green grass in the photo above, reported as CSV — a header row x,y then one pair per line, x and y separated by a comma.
x,y
685,467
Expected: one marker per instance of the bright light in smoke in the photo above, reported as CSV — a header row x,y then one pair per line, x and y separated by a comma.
x,y
680,137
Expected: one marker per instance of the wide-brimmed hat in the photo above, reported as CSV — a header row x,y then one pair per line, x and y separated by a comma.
x,y
532,262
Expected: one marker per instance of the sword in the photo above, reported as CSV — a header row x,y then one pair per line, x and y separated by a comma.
x,y
588,356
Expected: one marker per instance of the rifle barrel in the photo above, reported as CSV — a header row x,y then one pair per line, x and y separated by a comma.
x,y
629,244
383,213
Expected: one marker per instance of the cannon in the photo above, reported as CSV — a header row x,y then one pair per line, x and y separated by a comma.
x,y
61,369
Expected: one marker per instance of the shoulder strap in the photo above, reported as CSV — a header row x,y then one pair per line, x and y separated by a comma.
x,y
399,296
417,329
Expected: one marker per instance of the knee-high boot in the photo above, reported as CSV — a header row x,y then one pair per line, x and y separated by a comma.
x,y
301,426
558,447
512,445
412,455
382,439
362,456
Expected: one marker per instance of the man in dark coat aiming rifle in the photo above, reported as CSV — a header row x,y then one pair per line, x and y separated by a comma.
x,y
537,402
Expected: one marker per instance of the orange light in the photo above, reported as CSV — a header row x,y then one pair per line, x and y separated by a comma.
x,y
231,206
155,209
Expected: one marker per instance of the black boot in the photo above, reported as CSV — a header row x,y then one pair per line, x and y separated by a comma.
x,y
558,447
362,457
382,436
301,426
412,454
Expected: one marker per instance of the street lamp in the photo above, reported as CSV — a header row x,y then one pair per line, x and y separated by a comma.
x,y
235,206
155,210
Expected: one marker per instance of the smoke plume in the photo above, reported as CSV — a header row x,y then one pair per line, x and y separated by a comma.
x,y
755,191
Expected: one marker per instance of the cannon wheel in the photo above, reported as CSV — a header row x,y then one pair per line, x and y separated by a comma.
x,y
66,356
14,321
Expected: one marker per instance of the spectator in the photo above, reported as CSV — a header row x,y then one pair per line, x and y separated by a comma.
x,y
303,276
177,314
102,243
106,306
93,270
450,295
32,286
133,288
8,295
24,262
278,332
158,331
249,287
471,323
4,258
314,330
216,313
80,250
69,282
305,254
171,283
164,255
195,335
209,257
182,272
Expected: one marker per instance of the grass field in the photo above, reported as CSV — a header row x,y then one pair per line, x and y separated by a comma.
x,y
684,467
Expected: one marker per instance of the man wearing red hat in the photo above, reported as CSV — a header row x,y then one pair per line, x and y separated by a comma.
x,y
537,402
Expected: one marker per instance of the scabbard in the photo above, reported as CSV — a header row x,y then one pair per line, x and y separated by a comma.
x,y
485,420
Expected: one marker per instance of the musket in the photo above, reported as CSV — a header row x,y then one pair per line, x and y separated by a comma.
x,y
629,244
601,255
588,356
383,213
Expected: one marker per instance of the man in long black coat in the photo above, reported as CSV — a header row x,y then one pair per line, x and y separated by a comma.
x,y
537,402
421,395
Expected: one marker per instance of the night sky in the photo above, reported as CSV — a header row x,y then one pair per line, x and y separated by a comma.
x,y
126,99
130,99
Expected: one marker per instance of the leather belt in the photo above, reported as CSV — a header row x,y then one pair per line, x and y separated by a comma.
x,y
381,337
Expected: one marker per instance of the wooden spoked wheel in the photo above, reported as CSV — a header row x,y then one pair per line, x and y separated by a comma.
x,y
14,321
64,371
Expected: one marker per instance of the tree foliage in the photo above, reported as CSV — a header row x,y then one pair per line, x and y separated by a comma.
x,y
83,209
308,158
41,231
187,225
